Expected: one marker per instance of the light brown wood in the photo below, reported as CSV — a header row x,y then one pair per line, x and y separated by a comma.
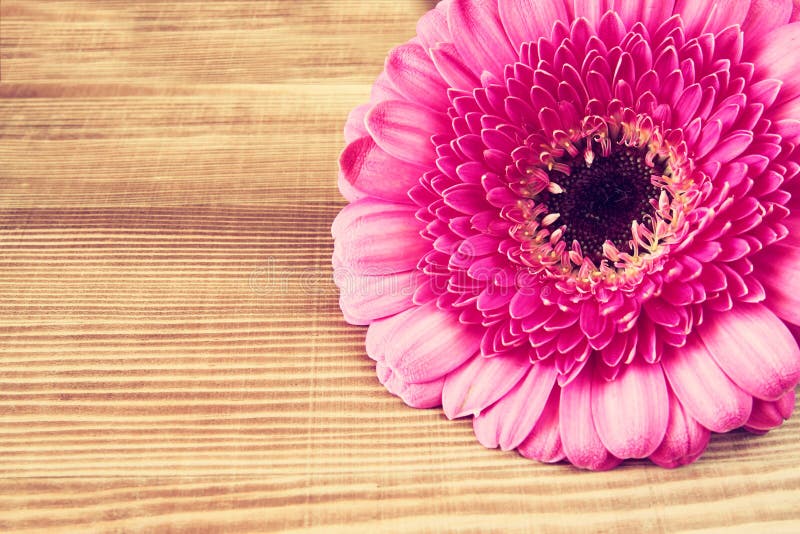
x,y
172,356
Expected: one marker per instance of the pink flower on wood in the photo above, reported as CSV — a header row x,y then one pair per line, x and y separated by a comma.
x,y
576,222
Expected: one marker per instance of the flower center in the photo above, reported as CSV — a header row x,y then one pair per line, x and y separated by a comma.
x,y
601,199
599,205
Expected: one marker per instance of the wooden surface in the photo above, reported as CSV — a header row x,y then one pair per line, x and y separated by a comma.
x,y
172,356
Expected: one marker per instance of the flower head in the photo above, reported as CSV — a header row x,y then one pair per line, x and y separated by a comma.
x,y
573,220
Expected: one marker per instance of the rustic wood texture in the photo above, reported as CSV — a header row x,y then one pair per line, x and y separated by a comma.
x,y
172,356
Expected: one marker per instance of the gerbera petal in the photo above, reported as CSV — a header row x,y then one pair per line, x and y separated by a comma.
x,y
544,442
383,89
695,15
509,421
355,127
479,36
772,61
655,12
628,10
767,415
527,20
479,383
706,393
415,76
684,441
579,437
387,378
424,394
366,298
780,275
631,411
429,343
452,67
591,10
370,238
353,213
754,348
432,28
730,147
404,130
584,209
726,13
350,193
764,16
378,335
365,166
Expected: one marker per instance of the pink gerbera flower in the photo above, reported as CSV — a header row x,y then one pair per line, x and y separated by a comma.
x,y
574,222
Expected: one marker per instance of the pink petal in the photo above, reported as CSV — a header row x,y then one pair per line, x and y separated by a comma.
x,y
466,198
661,312
582,444
544,442
726,13
486,425
767,415
383,89
355,128
709,137
754,348
628,10
764,16
513,417
424,394
765,92
630,412
353,212
452,67
694,14
493,298
350,193
592,10
429,343
404,130
684,441
414,75
432,28
479,36
655,12
524,303
730,147
687,104
780,274
366,298
788,129
371,170
786,404
478,245
371,241
773,61
479,383
706,393
378,335
527,20
387,378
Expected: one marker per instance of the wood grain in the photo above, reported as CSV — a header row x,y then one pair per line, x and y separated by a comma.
x,y
172,357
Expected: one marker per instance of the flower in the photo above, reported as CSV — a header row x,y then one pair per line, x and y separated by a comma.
x,y
576,222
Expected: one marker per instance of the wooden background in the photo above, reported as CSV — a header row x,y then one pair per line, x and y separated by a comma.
x,y
172,356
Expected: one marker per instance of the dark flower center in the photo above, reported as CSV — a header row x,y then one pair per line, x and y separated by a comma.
x,y
600,201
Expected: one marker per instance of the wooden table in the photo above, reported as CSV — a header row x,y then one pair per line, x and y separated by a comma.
x,y
172,356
